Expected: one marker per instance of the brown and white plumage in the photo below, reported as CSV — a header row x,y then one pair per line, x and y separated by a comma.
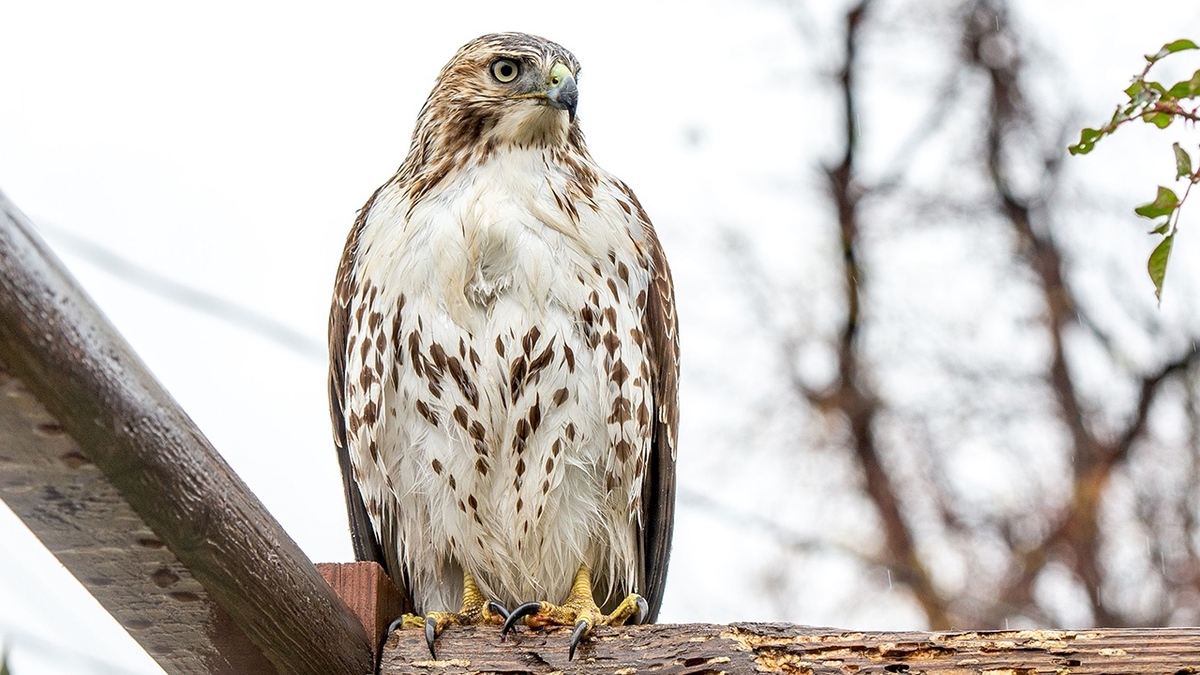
x,y
503,351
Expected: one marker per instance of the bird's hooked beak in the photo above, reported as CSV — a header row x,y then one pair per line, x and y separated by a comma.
x,y
562,94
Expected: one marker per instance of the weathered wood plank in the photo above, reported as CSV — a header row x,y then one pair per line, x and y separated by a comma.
x,y
746,648
77,513
369,592
105,468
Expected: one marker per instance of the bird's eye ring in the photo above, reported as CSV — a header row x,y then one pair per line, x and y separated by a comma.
x,y
505,70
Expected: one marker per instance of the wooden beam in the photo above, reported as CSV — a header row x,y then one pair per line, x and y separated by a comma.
x,y
104,467
755,648
369,592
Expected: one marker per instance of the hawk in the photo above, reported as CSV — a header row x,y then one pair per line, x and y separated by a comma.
x,y
504,362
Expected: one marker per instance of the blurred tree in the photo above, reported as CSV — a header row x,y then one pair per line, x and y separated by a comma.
x,y
1024,430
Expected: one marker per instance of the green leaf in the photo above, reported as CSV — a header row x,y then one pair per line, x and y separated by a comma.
x,y
1183,162
1157,265
1161,120
1164,204
1087,141
1186,88
1179,46
1171,48
1162,228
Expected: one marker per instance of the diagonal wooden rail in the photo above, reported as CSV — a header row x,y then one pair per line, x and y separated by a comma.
x,y
106,469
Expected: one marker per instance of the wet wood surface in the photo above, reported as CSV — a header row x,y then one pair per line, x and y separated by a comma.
x,y
746,648
103,466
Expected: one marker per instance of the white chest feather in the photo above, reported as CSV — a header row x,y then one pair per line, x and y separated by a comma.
x,y
498,388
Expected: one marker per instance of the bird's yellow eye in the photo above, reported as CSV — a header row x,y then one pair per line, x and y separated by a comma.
x,y
505,70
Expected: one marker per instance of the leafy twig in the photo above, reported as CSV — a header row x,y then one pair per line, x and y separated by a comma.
x,y
1155,103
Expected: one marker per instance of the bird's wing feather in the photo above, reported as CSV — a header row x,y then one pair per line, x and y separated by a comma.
x,y
660,325
362,534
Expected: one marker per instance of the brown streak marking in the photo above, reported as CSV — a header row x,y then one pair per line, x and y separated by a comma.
x,y
621,411
535,414
364,348
414,348
517,376
439,361
464,382
623,449
460,416
542,360
610,315
560,396
530,340
619,373
611,342
427,413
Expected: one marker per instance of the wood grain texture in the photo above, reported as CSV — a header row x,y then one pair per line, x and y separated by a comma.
x,y
140,472
369,592
47,480
746,648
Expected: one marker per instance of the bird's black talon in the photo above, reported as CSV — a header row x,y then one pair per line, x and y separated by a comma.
x,y
497,608
431,634
517,614
581,629
643,611
396,624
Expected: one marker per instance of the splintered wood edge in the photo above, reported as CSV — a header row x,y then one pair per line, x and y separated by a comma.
x,y
754,648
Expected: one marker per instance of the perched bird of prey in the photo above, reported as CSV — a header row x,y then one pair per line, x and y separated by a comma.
x,y
504,361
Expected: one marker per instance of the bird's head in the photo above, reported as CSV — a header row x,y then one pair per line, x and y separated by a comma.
x,y
503,89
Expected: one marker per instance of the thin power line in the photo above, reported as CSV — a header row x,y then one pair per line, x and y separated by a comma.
x,y
184,295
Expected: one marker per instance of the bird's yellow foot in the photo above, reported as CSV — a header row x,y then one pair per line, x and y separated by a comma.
x,y
475,611
579,610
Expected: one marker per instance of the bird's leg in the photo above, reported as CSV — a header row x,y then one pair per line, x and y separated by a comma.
x,y
475,610
580,610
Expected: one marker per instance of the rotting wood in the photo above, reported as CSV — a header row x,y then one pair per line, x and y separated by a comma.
x,y
116,480
744,648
